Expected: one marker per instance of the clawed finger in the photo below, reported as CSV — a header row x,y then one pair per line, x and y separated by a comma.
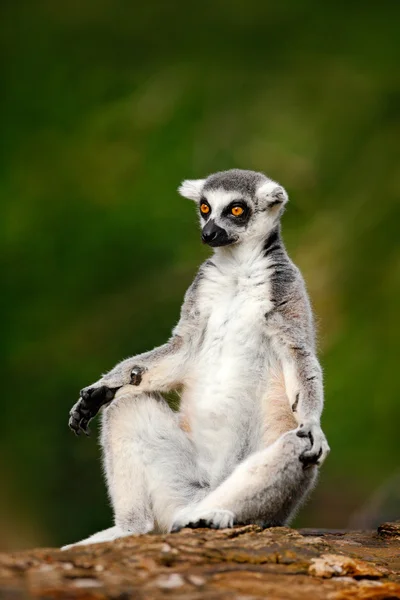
x,y
310,457
84,426
73,424
302,433
79,421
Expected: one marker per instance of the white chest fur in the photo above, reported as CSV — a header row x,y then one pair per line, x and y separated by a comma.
x,y
231,370
233,307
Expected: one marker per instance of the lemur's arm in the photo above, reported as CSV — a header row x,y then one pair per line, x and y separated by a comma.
x,y
294,344
161,369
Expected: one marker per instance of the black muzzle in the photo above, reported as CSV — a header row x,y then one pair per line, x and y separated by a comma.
x,y
215,236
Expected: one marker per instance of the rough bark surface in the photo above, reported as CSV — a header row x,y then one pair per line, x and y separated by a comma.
x,y
244,563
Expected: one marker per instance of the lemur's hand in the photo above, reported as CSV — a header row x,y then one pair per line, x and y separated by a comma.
x,y
94,396
87,407
319,446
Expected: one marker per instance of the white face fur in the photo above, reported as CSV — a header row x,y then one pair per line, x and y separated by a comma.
x,y
236,205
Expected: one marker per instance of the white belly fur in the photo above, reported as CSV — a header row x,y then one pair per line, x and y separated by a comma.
x,y
225,395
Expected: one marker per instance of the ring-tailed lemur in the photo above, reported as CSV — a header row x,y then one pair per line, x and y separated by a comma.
x,y
246,441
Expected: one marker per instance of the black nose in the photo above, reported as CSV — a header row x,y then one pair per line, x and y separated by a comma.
x,y
209,236
211,232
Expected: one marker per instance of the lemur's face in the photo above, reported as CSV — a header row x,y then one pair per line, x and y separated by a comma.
x,y
224,217
235,205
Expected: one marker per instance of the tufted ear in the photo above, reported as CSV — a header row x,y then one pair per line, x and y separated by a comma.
x,y
191,188
271,194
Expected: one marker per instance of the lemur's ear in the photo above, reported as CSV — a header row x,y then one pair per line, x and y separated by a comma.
x,y
272,194
191,188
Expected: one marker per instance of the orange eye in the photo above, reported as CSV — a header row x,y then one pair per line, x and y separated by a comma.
x,y
237,211
205,209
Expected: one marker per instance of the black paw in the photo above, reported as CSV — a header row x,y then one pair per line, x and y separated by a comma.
x,y
310,457
318,450
201,524
308,460
198,524
87,407
213,519
136,375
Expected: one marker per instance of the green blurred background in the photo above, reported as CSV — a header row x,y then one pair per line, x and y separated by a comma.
x,y
106,106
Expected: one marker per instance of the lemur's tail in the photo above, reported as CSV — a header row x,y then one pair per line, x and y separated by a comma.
x,y
107,535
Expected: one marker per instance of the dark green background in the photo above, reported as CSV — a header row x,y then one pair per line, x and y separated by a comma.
x,y
106,106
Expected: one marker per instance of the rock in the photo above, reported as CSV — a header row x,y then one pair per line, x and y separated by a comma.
x,y
241,563
330,565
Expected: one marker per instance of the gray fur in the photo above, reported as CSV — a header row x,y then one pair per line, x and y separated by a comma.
x,y
243,182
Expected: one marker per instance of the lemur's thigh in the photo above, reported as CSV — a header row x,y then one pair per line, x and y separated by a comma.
x,y
265,488
150,462
270,484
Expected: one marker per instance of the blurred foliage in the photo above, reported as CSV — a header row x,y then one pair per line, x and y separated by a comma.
x,y
106,106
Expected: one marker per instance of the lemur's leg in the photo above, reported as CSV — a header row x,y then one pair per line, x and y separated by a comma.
x,y
150,464
265,488
161,369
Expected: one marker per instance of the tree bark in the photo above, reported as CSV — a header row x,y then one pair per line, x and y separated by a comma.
x,y
243,563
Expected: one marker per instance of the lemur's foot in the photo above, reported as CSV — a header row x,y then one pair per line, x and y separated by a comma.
x,y
319,450
87,407
213,518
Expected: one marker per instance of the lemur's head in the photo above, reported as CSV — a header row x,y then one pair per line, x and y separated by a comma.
x,y
235,205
